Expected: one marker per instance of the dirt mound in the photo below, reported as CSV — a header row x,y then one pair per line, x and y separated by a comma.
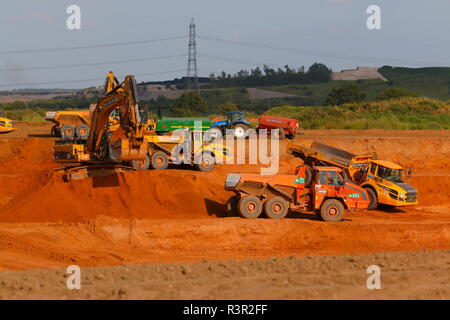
x,y
23,155
140,194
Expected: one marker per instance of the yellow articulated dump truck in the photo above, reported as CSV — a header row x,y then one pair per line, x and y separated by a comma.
x,y
383,180
69,124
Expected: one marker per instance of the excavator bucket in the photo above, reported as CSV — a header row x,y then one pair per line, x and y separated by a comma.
x,y
122,150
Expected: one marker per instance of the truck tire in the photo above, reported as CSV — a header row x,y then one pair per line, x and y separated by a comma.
x,y
82,131
67,131
207,162
215,134
231,206
249,207
54,132
332,210
159,161
141,164
276,208
373,199
240,131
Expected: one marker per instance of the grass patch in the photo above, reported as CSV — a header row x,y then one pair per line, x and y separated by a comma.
x,y
397,114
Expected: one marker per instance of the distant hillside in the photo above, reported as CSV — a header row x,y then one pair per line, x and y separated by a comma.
x,y
405,113
432,82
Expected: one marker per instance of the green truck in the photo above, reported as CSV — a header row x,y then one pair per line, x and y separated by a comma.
x,y
166,125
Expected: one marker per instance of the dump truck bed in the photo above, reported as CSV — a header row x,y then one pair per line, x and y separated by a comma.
x,y
329,154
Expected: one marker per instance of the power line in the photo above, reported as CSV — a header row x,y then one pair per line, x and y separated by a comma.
x,y
93,63
83,80
233,60
105,45
315,53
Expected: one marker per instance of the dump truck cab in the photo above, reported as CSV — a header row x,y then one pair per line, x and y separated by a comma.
x,y
328,183
385,179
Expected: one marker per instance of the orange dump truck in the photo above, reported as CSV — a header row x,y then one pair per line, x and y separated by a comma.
x,y
320,190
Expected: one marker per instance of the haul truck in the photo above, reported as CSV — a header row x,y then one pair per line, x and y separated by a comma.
x,y
321,190
381,179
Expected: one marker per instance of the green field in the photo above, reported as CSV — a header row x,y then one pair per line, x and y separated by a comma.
x,y
428,82
397,114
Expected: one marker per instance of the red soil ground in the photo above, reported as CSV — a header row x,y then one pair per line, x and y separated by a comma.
x,y
178,215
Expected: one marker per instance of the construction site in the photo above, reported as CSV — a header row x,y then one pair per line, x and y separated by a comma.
x,y
176,221
268,183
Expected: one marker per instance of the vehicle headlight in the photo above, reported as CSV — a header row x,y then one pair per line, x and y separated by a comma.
x,y
402,195
389,190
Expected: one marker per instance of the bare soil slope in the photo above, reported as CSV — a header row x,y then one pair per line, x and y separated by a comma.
x,y
404,275
178,215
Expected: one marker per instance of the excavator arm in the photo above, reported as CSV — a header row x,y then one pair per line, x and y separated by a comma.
x,y
124,97
111,82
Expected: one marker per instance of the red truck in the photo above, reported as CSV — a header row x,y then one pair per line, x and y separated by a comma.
x,y
288,127
320,190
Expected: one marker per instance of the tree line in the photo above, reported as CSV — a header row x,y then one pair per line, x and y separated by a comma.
x,y
267,76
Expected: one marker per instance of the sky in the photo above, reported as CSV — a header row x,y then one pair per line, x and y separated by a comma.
x,y
149,38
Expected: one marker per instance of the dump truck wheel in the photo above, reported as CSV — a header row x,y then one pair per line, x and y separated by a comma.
x,y
67,131
141,164
82,131
231,207
207,162
159,161
373,199
332,210
250,207
54,132
276,208
240,131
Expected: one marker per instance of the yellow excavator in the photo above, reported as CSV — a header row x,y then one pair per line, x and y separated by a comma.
x,y
75,123
132,144
126,142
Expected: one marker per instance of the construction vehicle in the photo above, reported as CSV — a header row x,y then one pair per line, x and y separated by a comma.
x,y
381,179
167,125
235,121
69,124
287,127
6,125
320,190
131,143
